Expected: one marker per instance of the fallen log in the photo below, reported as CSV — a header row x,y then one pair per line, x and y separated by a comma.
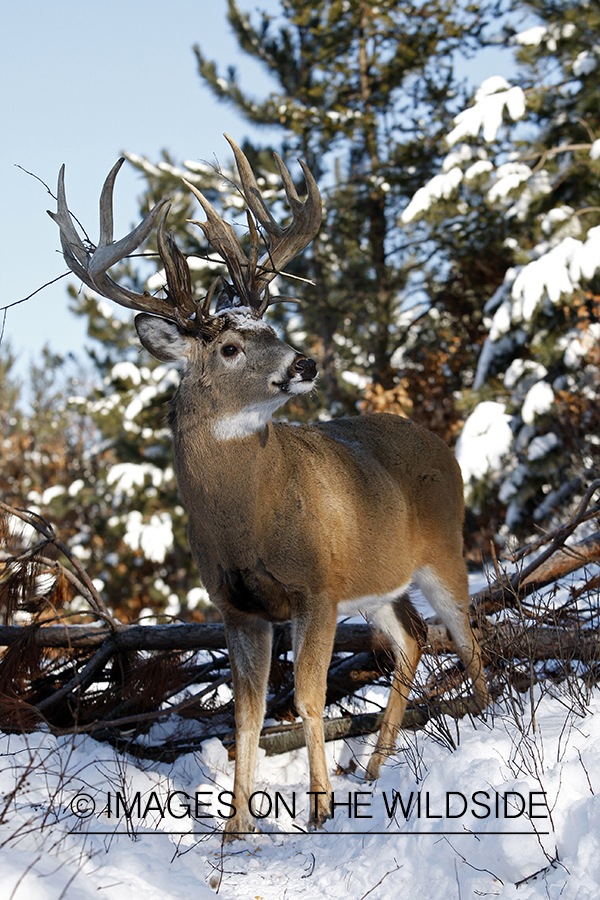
x,y
565,561
282,738
354,638
537,642
349,637
177,636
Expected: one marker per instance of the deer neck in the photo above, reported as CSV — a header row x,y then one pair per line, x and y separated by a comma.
x,y
227,460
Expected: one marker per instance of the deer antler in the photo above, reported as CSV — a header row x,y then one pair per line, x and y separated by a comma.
x,y
91,264
250,277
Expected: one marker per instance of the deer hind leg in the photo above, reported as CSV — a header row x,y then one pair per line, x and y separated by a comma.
x,y
312,638
447,591
406,630
249,643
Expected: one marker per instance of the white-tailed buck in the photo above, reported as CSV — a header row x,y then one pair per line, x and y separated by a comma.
x,y
288,522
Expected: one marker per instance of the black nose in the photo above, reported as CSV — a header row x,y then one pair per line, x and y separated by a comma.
x,y
305,367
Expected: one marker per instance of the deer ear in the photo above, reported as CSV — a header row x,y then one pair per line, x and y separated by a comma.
x,y
162,338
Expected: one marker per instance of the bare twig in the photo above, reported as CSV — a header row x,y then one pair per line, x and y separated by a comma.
x,y
559,535
33,293
44,528
391,872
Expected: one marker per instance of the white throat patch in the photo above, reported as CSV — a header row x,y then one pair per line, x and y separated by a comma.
x,y
247,421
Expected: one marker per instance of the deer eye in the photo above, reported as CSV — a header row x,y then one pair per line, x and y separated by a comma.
x,y
229,350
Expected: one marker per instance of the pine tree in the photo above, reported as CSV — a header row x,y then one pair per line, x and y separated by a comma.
x,y
520,187
363,96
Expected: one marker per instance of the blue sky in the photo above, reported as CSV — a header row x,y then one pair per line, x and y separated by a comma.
x,y
80,83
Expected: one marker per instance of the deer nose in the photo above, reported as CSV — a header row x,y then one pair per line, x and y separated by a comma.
x,y
305,367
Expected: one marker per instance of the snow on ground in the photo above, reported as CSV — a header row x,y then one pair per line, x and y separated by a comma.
x,y
463,809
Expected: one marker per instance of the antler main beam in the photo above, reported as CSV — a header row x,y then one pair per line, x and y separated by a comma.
x,y
91,263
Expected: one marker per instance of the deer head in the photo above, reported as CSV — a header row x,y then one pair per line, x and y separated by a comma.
x,y
232,346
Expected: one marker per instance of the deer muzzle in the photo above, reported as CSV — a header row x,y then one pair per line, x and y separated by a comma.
x,y
305,367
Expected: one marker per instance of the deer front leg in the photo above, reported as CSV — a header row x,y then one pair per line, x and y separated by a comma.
x,y
249,643
312,637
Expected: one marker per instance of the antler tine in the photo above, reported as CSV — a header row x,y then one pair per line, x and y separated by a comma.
x,y
74,251
91,265
106,205
177,271
287,242
252,194
108,253
222,238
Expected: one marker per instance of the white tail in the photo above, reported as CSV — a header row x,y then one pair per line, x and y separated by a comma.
x,y
290,522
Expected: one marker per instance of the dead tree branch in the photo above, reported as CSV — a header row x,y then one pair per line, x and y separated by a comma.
x,y
109,679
